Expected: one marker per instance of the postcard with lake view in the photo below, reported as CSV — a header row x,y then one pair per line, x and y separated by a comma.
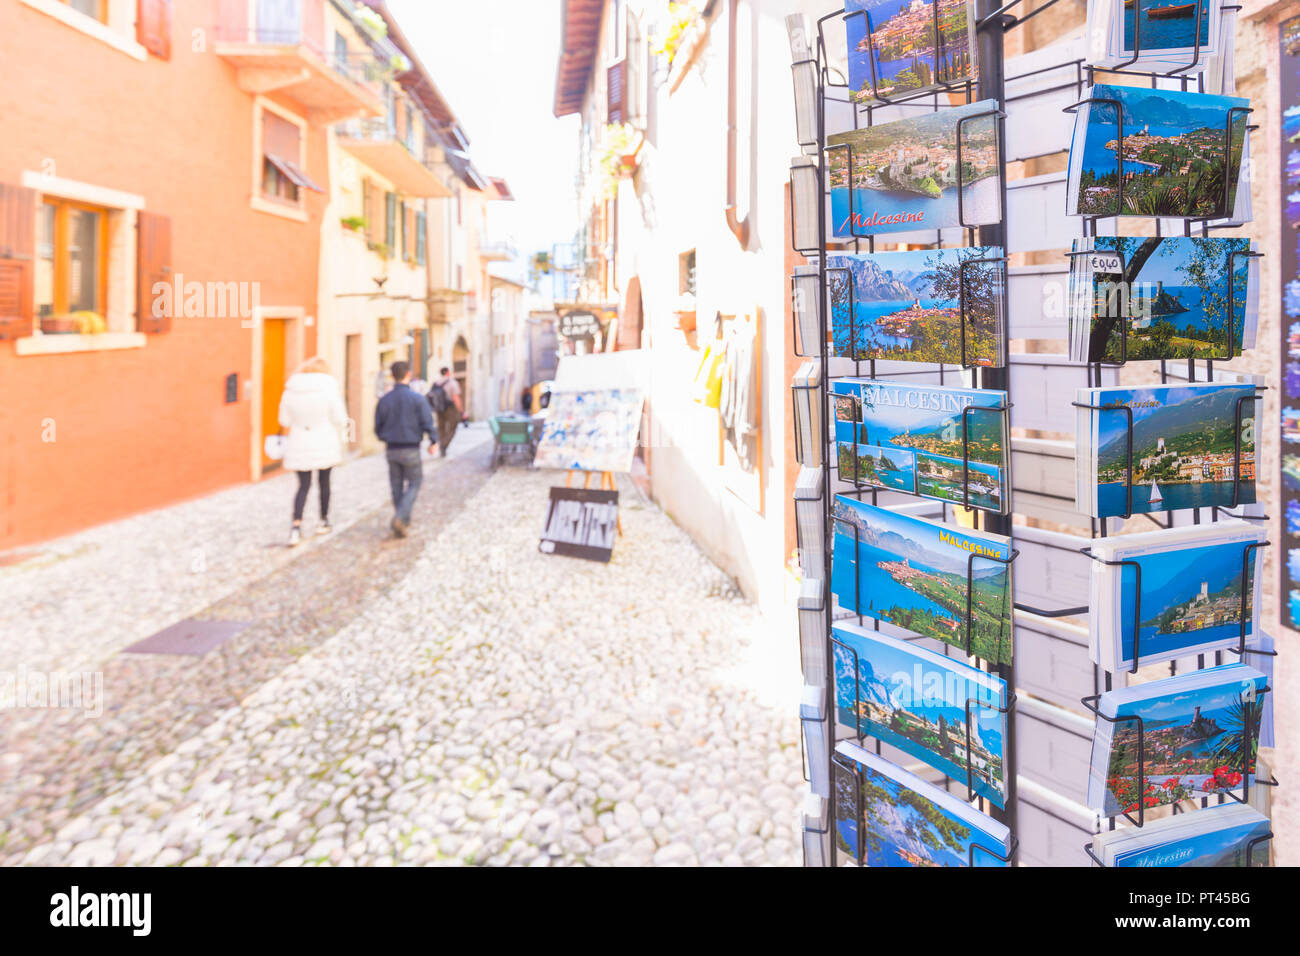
x,y
1177,155
905,175
918,574
1193,446
907,306
1167,298
916,700
892,49
920,439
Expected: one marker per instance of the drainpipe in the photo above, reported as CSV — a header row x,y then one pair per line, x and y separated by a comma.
x,y
739,227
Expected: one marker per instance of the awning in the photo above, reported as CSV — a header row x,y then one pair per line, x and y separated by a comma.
x,y
293,173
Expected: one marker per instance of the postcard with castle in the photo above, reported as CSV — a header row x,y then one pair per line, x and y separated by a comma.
x,y
1156,153
887,816
1191,446
892,48
920,439
905,176
918,701
923,575
1199,735
907,306
1195,582
1145,297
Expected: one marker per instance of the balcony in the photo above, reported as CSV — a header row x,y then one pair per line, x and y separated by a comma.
x,y
279,46
376,143
496,250
446,306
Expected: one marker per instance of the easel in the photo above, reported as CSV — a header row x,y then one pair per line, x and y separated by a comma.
x,y
606,484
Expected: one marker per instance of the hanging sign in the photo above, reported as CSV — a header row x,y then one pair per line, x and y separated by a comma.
x,y
581,523
579,325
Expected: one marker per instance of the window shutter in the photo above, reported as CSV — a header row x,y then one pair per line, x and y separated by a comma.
x,y
153,265
421,237
409,242
280,137
616,89
153,27
390,222
17,250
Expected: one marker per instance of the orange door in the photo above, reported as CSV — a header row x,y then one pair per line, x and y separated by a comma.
x,y
273,378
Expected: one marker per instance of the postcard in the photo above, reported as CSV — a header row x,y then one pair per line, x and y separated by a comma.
x,y
1191,597
917,700
921,440
907,306
1225,834
591,430
1177,155
1157,34
903,176
921,575
1192,446
892,49
1163,298
1199,735
885,816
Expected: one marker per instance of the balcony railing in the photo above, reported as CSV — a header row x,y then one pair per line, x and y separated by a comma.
x,y
495,250
280,45
376,142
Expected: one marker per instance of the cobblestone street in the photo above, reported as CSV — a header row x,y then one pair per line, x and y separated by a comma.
x,y
454,697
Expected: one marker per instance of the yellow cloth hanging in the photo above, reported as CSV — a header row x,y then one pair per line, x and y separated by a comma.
x,y
708,378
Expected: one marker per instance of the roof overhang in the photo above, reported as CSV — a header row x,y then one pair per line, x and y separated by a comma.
x,y
579,35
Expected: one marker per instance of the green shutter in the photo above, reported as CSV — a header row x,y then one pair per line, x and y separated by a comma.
x,y
419,237
390,217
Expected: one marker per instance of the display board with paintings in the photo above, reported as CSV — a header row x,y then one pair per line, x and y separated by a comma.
x,y
1288,342
591,430
919,607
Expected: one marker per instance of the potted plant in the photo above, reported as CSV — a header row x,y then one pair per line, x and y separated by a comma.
x,y
59,325
354,223
682,19
89,323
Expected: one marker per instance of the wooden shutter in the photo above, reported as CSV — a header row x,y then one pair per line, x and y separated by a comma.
x,y
409,240
17,252
153,264
421,237
153,27
280,137
616,90
390,222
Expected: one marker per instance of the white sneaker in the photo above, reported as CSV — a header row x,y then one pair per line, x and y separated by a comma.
x,y
323,528
295,536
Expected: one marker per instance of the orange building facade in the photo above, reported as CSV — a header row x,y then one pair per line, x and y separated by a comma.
x,y
163,177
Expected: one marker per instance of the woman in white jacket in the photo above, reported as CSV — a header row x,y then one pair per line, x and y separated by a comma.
x,y
312,410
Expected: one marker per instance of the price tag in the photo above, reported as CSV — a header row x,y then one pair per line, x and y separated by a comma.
x,y
1106,262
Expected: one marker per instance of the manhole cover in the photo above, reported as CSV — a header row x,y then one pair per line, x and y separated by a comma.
x,y
188,637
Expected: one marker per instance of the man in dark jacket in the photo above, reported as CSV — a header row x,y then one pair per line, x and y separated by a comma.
x,y
402,418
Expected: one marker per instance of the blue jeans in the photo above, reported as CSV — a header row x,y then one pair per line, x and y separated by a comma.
x,y
405,472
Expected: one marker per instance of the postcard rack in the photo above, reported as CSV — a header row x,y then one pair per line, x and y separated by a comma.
x,y
817,282
814,330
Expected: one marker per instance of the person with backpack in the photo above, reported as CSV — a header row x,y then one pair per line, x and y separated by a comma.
x,y
445,401
402,419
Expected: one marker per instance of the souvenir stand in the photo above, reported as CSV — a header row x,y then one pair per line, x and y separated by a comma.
x,y
1049,726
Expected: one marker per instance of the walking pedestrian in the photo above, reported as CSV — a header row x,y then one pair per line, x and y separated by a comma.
x,y
526,401
444,398
402,418
312,409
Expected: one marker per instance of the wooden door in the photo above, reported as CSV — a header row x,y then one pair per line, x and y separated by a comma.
x,y
352,387
273,378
